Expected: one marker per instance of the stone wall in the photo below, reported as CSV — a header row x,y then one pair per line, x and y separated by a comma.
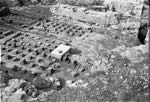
x,y
81,13
81,2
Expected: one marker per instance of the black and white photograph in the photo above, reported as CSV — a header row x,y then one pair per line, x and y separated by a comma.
x,y
74,51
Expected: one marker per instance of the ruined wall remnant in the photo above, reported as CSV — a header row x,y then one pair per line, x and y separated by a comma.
x,y
81,13
82,2
102,17
124,6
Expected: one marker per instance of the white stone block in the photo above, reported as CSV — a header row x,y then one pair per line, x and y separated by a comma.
x,y
60,51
